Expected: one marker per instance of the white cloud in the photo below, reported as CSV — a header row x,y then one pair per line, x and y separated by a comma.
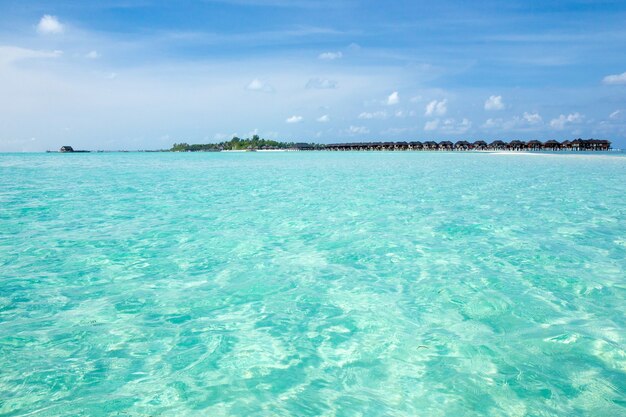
x,y
403,113
449,126
526,122
323,119
393,99
294,119
397,130
532,118
92,55
258,85
615,79
10,54
358,130
438,108
493,123
617,114
562,121
321,84
373,115
494,103
329,56
50,25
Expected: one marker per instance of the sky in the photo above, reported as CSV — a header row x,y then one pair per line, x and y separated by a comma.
x,y
143,74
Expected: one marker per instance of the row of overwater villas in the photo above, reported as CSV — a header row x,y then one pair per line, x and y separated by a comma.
x,y
479,145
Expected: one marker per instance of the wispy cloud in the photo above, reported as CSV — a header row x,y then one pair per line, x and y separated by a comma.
x,y
321,84
50,25
323,119
258,85
92,55
615,79
562,121
330,56
448,126
373,115
358,130
10,54
294,119
527,122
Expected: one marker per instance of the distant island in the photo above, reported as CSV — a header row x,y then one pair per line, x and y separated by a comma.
x,y
237,144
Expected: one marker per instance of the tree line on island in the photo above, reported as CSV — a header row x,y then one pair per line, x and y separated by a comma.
x,y
257,143
238,144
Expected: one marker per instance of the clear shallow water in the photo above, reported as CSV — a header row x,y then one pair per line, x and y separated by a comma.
x,y
334,284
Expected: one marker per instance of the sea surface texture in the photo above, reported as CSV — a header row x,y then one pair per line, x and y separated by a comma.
x,y
312,284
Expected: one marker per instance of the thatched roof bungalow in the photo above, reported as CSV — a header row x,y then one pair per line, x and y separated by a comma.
x,y
445,145
599,144
497,144
552,144
463,145
534,144
479,144
517,145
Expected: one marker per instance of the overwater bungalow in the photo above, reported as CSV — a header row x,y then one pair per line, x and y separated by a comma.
x,y
517,145
462,145
552,145
599,144
480,145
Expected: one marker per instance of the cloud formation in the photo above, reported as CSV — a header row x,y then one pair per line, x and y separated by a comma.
x,y
330,56
10,54
92,55
321,84
373,115
532,118
437,108
294,119
615,79
358,130
323,119
50,25
258,85
393,99
494,103
562,121
448,126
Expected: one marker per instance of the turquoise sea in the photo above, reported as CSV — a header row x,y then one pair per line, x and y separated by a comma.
x,y
312,284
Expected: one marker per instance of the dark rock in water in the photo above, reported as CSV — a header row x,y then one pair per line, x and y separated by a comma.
x,y
66,149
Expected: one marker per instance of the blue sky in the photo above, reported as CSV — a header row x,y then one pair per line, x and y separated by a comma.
x,y
142,74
